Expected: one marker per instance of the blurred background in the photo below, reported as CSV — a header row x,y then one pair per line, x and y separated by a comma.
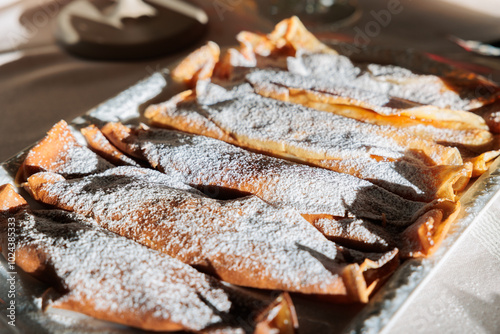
x,y
41,83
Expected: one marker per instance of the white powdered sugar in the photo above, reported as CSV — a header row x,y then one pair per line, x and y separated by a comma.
x,y
244,241
79,161
117,276
388,80
205,161
249,116
404,178
357,233
70,160
320,138
381,103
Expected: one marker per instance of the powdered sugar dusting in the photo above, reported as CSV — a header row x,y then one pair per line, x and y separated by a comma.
x,y
356,232
314,136
79,161
388,80
245,241
205,161
323,135
118,276
250,115
59,152
381,103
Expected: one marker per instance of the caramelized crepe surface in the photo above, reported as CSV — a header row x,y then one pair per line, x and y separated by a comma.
x,y
323,197
230,239
408,166
376,156
104,275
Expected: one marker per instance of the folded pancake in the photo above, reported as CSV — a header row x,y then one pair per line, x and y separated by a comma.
x,y
98,143
288,37
61,153
244,241
224,106
420,239
404,66
201,161
325,198
444,86
431,122
199,65
391,80
392,159
109,277
347,93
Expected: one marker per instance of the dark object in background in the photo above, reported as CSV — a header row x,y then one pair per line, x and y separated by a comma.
x,y
129,29
317,15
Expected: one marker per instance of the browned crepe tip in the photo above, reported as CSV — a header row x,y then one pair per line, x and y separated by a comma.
x,y
100,144
423,237
60,152
288,37
10,200
199,65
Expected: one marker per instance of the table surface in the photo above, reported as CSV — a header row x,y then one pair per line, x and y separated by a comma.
x,y
40,84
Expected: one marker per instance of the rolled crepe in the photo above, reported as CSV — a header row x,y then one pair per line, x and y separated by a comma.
x,y
411,167
203,161
109,277
323,197
230,239
396,82
61,153
99,143
428,121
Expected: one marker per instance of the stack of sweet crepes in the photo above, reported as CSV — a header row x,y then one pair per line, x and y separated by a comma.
x,y
286,95
282,166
